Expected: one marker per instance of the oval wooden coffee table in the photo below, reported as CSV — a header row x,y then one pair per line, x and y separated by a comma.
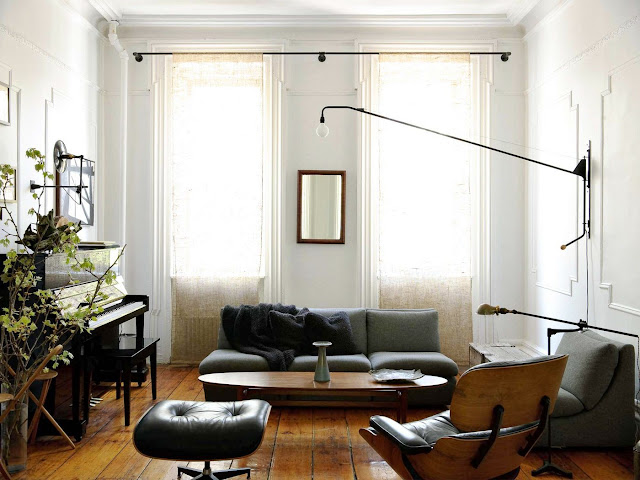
x,y
346,384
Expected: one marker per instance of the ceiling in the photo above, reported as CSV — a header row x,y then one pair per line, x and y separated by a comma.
x,y
310,7
511,11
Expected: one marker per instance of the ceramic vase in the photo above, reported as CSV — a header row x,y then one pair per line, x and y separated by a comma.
x,y
322,367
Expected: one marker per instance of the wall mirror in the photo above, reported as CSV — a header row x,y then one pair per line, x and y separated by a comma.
x,y
321,198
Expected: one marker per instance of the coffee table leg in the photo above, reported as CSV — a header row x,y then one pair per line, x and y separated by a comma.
x,y
402,406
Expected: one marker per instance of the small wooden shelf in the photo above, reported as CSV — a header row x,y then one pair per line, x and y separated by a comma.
x,y
497,352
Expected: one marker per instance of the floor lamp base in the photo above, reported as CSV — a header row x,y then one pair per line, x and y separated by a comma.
x,y
549,467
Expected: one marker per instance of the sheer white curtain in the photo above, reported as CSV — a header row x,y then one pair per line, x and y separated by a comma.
x,y
216,195
425,201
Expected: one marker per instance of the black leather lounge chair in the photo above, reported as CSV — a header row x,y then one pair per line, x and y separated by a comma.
x,y
498,412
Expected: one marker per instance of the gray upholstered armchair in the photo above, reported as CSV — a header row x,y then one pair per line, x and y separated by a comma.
x,y
595,406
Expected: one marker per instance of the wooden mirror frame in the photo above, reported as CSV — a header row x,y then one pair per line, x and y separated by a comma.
x,y
343,198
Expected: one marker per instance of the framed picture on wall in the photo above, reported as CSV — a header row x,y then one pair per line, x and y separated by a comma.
x,y
10,191
76,201
5,104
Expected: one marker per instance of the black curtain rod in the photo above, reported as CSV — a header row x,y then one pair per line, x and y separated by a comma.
x,y
322,56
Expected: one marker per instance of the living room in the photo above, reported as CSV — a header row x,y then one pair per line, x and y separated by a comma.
x,y
433,188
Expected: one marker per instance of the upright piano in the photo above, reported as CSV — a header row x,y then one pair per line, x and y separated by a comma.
x,y
119,307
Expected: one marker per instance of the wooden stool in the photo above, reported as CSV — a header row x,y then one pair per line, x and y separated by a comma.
x,y
4,397
33,428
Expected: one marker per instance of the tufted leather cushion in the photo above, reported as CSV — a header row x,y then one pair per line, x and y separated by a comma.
x,y
423,434
433,428
199,431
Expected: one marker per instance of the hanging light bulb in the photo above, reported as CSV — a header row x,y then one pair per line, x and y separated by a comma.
x,y
322,130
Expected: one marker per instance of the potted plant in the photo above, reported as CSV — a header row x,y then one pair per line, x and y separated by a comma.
x,y
32,320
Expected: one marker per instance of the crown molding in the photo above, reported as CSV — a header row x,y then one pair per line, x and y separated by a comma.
x,y
519,9
83,20
314,20
106,9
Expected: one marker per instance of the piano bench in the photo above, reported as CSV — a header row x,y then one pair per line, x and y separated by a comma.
x,y
131,351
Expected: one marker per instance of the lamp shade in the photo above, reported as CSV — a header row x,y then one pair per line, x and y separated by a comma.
x,y
486,309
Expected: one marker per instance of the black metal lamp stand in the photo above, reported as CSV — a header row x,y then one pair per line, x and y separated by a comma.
x,y
548,466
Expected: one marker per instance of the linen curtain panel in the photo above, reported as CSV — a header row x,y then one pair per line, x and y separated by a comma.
x,y
425,201
216,194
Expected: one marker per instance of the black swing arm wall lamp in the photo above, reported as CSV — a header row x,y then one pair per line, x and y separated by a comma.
x,y
60,158
486,309
582,169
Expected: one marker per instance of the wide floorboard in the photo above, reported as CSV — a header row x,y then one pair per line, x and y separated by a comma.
x,y
300,443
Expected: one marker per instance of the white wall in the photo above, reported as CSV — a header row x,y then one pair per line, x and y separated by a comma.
x,y
55,59
323,275
583,72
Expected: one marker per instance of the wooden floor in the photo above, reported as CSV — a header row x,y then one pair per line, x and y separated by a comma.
x,y
299,444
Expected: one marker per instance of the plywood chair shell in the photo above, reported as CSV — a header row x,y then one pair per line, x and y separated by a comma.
x,y
518,388
389,452
480,390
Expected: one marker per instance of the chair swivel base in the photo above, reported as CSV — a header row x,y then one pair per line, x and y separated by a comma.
x,y
207,474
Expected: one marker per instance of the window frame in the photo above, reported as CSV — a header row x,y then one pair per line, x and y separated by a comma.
x,y
368,196
161,80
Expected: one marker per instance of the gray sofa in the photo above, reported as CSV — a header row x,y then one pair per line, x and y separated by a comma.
x,y
385,339
595,405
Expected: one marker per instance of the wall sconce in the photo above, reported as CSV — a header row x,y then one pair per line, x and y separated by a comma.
x,y
60,157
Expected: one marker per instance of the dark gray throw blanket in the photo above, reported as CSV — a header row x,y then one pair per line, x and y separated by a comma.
x,y
248,330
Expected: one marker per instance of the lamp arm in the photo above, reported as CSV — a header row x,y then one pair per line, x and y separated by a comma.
x,y
362,110
581,324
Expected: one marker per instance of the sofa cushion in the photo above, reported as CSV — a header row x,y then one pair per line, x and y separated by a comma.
x,y
358,319
567,404
337,363
592,363
429,363
227,360
402,331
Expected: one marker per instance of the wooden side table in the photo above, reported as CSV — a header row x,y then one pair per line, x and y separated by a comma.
x,y
497,352
131,351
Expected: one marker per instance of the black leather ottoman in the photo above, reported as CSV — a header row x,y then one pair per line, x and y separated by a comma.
x,y
202,431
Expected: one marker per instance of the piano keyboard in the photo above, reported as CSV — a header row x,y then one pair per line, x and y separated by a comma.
x,y
113,313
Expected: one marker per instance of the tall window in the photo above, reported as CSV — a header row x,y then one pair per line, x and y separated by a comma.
x,y
425,201
217,191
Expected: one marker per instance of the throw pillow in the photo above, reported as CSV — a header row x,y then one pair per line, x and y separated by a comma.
x,y
335,329
288,331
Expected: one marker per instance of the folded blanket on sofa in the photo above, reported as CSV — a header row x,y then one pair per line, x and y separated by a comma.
x,y
247,329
